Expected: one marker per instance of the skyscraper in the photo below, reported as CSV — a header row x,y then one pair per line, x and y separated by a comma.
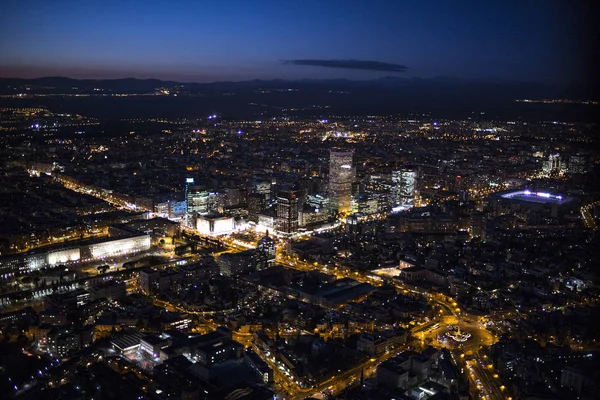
x,y
256,203
404,185
341,176
287,211
200,201
578,163
266,252
188,217
553,164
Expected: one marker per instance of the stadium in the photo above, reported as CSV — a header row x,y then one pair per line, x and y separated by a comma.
x,y
542,204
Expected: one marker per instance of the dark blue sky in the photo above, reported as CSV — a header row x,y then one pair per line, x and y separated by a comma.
x,y
238,40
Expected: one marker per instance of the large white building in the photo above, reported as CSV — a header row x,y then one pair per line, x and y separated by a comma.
x,y
214,225
341,177
63,256
82,251
265,223
118,247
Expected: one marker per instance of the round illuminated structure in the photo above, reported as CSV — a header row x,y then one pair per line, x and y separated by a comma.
x,y
529,196
458,335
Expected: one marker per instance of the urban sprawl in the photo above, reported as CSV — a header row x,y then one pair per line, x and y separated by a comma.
x,y
349,257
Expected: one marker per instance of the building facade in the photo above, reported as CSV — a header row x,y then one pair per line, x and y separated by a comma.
x,y
200,201
404,187
341,177
287,211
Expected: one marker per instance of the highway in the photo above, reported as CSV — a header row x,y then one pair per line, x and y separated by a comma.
x,y
483,377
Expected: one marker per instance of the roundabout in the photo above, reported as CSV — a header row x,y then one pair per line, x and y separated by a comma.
x,y
453,333
457,335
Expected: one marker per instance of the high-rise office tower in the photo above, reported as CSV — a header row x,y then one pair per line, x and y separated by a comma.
x,y
188,217
404,187
408,187
341,176
578,163
553,164
287,211
200,201
477,224
266,252
256,203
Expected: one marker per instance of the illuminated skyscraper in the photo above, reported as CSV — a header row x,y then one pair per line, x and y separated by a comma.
x,y
341,176
404,185
266,251
553,164
578,163
256,203
200,201
188,217
287,211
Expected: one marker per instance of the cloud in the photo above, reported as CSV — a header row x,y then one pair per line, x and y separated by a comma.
x,y
350,64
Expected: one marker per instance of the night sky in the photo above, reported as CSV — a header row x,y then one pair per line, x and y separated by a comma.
x,y
238,40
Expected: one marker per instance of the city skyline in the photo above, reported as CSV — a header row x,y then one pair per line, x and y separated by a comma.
x,y
376,200
349,257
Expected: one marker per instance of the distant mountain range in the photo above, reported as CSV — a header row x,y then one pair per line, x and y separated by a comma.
x,y
296,98
135,84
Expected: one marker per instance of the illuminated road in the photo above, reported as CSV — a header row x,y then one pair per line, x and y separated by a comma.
x,y
588,218
485,379
449,314
98,193
336,383
479,336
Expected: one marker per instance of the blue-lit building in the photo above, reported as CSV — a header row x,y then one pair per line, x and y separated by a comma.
x,y
533,205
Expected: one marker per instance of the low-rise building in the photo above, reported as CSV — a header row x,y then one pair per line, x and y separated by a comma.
x,y
233,264
378,343
260,367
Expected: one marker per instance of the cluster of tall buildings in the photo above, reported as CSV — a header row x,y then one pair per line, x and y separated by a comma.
x,y
286,207
575,164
